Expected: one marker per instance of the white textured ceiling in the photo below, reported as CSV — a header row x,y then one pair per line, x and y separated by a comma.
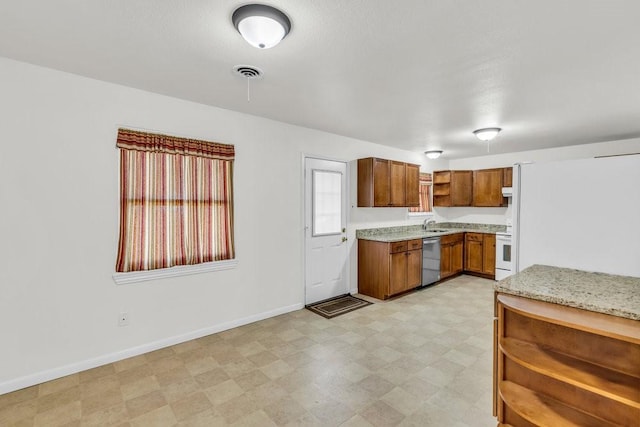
x,y
414,74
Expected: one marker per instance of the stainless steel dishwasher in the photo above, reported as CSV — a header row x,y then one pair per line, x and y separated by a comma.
x,y
430,260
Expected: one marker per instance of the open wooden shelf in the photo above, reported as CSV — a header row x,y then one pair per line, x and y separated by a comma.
x,y
561,366
452,188
575,318
441,177
587,376
441,189
541,410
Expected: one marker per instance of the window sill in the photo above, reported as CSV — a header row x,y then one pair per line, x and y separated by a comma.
x,y
419,214
181,270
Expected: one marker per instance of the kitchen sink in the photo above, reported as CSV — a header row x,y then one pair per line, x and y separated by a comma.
x,y
437,230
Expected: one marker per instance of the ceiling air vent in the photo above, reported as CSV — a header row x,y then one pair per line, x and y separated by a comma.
x,y
248,71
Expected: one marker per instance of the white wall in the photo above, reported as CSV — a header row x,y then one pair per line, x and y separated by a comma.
x,y
499,215
583,151
574,238
59,223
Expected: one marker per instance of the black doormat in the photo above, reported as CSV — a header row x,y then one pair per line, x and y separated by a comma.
x,y
336,306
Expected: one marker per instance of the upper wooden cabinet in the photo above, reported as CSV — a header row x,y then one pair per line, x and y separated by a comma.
x,y
507,177
487,187
452,188
397,183
481,188
412,196
387,183
377,187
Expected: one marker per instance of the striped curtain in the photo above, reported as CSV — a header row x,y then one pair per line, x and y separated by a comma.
x,y
176,201
425,193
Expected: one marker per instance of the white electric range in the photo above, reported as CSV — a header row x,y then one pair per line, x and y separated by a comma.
x,y
503,253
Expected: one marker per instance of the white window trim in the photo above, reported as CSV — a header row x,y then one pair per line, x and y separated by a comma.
x,y
419,213
425,214
179,270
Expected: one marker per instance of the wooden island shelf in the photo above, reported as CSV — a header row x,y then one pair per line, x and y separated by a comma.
x,y
558,365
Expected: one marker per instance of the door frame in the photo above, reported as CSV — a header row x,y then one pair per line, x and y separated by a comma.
x,y
303,229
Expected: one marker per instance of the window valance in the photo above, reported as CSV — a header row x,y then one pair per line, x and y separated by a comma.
x,y
143,141
424,189
425,178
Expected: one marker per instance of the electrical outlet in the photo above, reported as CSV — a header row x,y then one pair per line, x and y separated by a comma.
x,y
123,319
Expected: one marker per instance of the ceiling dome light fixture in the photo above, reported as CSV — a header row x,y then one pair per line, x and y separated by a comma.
x,y
486,134
433,154
260,25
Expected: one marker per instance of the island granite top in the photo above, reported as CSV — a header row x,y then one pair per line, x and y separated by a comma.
x,y
599,292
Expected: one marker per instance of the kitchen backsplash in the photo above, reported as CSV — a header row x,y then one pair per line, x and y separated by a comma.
x,y
490,228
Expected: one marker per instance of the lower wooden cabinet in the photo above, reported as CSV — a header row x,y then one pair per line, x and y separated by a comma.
x,y
473,244
489,254
480,254
387,269
562,366
451,255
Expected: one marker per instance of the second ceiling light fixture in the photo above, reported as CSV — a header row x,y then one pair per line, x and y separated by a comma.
x,y
486,134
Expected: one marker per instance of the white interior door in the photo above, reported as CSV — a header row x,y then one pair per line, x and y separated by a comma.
x,y
326,248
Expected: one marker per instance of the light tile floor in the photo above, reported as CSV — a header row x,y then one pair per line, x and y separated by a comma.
x,y
423,359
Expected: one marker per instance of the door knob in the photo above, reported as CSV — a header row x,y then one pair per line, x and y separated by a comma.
x,y
344,239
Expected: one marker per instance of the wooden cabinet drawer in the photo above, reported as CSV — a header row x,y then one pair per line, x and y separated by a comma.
x,y
474,237
395,247
415,244
451,238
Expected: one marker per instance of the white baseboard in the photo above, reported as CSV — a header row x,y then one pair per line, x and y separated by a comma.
x,y
59,372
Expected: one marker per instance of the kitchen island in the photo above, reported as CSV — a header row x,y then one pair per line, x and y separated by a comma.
x,y
567,348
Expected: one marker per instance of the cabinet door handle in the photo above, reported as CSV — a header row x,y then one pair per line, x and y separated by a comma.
x,y
344,239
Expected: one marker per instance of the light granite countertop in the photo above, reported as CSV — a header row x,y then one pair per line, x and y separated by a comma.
x,y
599,292
396,234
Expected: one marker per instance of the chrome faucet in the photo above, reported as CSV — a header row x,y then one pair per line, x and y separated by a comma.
x,y
427,223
